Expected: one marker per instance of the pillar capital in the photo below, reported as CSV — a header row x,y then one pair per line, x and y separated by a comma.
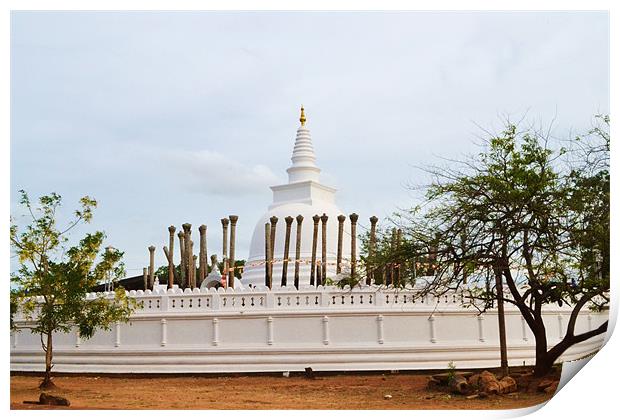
x,y
224,222
233,218
299,218
324,218
342,218
171,229
288,220
353,217
202,229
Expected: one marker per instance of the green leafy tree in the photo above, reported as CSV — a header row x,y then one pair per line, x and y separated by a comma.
x,y
519,215
49,288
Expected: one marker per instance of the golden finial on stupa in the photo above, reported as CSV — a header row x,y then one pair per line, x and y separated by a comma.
x,y
302,117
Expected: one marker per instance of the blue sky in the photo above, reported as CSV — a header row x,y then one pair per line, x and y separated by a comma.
x,y
173,117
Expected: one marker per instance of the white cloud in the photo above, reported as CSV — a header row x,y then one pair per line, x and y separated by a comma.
x,y
211,172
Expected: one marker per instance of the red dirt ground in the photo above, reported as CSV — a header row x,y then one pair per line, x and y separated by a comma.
x,y
333,392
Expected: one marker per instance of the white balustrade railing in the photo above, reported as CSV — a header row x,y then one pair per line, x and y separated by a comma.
x,y
284,298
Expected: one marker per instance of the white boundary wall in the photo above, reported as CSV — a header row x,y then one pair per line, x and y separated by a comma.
x,y
325,328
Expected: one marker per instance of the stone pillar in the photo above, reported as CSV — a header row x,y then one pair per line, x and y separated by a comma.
x,y
171,230
287,242
224,237
183,278
398,270
231,255
316,218
145,277
324,219
371,248
272,244
300,219
151,266
187,232
192,267
203,253
267,256
341,220
194,260
225,265
213,262
353,217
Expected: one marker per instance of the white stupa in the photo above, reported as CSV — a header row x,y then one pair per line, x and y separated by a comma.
x,y
302,195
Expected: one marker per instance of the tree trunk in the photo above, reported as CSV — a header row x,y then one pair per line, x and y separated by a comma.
x,y
47,379
544,364
503,348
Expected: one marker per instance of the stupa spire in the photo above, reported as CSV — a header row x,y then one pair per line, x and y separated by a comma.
x,y
304,160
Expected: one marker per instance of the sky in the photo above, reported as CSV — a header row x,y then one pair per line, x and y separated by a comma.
x,y
174,117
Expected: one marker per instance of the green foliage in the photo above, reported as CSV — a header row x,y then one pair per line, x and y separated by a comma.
x,y
451,371
536,216
50,286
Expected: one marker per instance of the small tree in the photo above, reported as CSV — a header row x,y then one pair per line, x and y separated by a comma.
x,y
514,213
49,288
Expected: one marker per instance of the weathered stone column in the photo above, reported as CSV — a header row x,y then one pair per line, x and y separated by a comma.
x,y
194,260
145,277
371,248
192,266
183,278
272,244
267,256
315,233
203,253
213,262
398,270
299,219
287,242
353,217
341,220
231,255
151,266
324,219
224,237
171,230
187,231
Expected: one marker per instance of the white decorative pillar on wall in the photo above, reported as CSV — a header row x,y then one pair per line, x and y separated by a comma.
x,y
117,327
481,328
380,329
164,332
560,327
431,321
216,331
270,330
523,328
78,339
325,330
